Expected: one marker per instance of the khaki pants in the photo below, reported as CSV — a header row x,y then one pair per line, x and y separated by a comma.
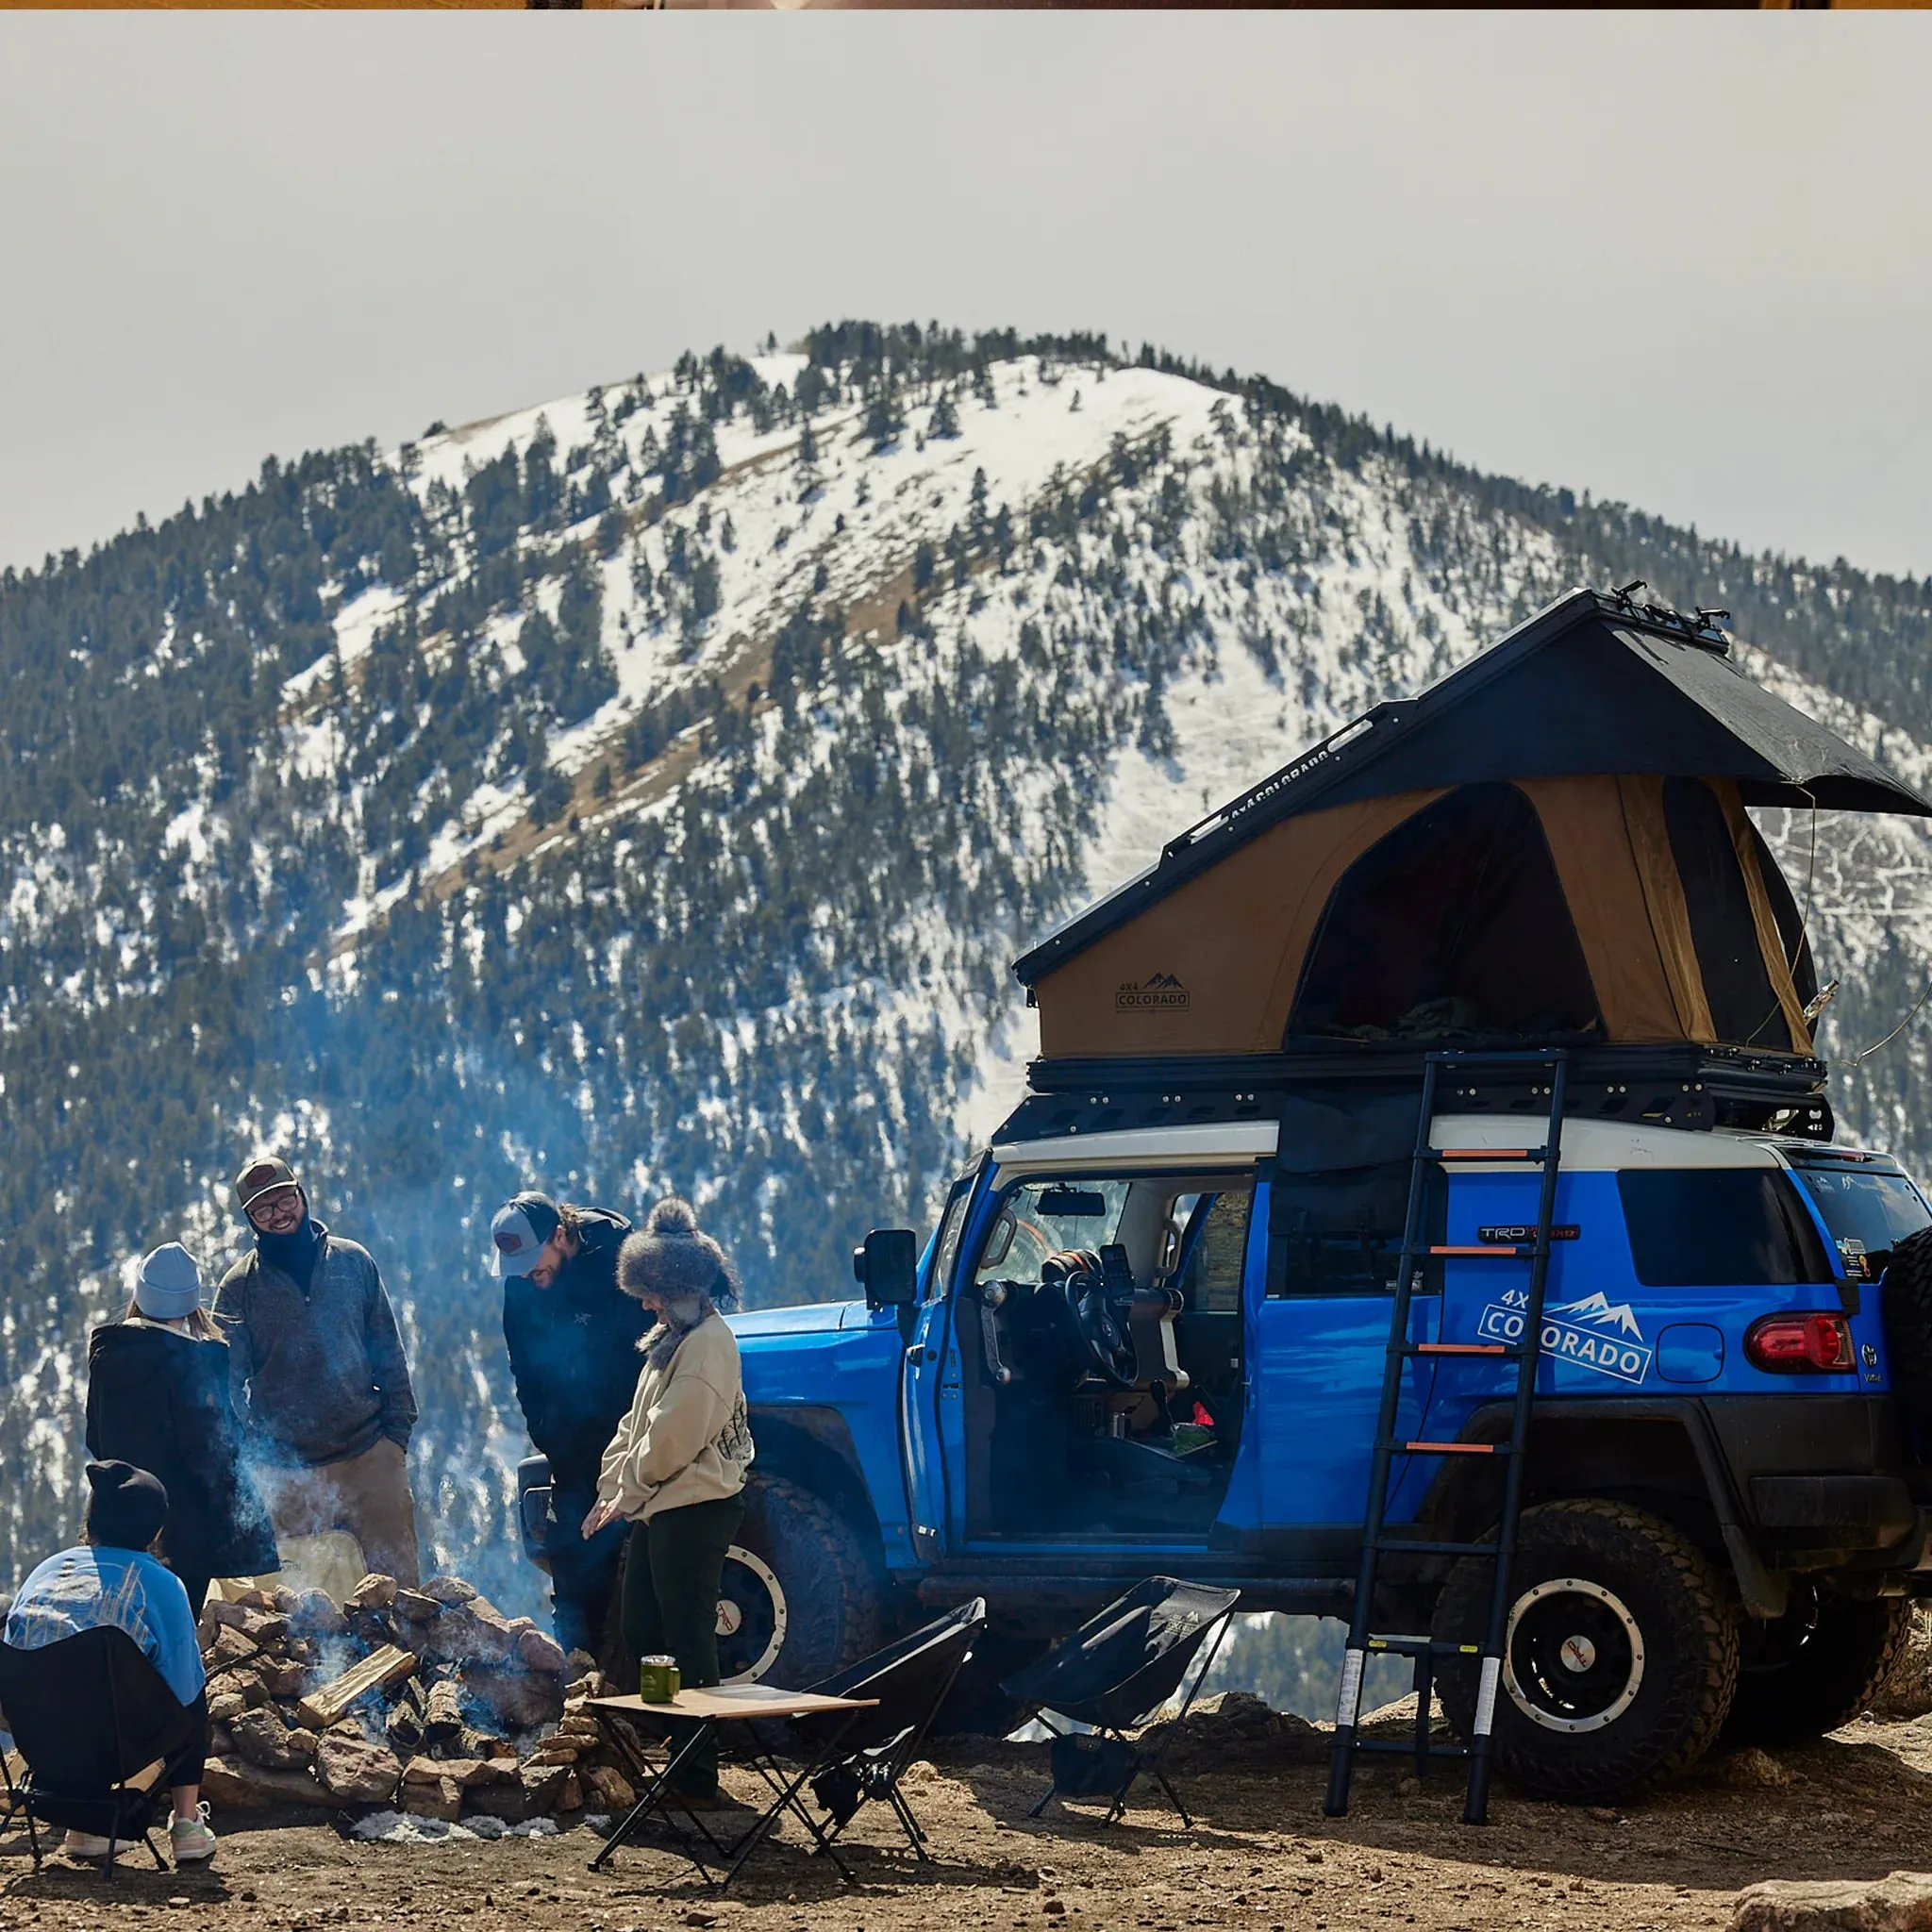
x,y
368,1495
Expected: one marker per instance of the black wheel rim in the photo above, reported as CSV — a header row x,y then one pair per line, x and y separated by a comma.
x,y
1575,1655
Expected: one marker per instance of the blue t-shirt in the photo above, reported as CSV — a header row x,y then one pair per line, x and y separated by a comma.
x,y
82,1589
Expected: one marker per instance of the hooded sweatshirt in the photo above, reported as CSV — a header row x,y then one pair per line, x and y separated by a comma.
x,y
686,1438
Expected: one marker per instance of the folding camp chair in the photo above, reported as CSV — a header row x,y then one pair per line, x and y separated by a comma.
x,y
97,1726
1112,1673
911,1679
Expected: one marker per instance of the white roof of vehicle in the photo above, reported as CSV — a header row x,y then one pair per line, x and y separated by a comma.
x,y
1589,1146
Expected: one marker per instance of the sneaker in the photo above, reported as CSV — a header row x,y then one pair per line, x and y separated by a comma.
x,y
191,1840
704,1801
84,1844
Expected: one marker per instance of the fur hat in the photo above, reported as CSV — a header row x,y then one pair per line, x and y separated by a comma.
x,y
670,1257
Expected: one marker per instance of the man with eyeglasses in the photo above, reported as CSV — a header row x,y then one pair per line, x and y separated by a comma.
x,y
572,1341
320,1380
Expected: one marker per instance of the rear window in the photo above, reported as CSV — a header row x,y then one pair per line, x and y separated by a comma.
x,y
1868,1211
1719,1228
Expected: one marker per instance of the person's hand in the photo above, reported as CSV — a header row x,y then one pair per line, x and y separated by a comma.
x,y
601,1517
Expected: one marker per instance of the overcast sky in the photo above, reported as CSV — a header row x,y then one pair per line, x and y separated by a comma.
x,y
1678,260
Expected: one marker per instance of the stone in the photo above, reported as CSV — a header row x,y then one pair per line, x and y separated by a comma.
x,y
449,1590
356,1771
581,1722
286,1599
231,1784
374,1592
472,1632
317,1614
229,1648
262,1738
229,1705
606,1788
1907,1691
256,1599
1901,1903
557,1750
443,1800
518,1700
282,1678
539,1651
417,1606
577,1664
1753,1769
218,1612
380,1628
570,1795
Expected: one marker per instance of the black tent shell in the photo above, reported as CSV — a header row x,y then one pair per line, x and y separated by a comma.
x,y
1593,684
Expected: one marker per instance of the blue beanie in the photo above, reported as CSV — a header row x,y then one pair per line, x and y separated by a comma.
x,y
170,1284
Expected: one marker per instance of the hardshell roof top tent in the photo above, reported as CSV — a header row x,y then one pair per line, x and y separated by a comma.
x,y
1551,844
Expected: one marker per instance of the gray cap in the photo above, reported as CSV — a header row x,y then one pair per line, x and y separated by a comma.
x,y
170,1284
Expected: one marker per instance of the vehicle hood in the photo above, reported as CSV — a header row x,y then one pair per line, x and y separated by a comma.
x,y
812,1318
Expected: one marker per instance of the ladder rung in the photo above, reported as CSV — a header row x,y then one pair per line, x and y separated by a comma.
x,y
1502,1251
1414,1646
1396,1548
1460,1348
1405,1748
1453,1448
1535,1154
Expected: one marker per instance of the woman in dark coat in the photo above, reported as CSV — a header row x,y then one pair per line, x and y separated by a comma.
x,y
158,1397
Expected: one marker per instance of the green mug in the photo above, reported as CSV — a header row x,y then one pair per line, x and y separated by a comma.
x,y
659,1679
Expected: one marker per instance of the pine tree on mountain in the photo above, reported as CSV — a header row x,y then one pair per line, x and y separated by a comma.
x,y
944,420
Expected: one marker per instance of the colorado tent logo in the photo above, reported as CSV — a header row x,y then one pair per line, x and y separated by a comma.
x,y
1161,993
1595,1333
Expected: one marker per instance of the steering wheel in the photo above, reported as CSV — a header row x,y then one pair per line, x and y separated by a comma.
x,y
1103,1336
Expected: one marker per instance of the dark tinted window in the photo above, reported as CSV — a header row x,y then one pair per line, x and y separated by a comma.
x,y
1868,1211
1341,1233
1454,926
1719,1228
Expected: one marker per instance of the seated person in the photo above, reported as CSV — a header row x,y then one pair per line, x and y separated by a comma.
x,y
110,1577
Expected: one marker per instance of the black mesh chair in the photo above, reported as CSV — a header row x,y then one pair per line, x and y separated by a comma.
x,y
864,1757
1114,1673
97,1726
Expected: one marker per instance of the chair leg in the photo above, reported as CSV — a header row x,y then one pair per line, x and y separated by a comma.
x,y
33,1836
1052,1791
915,1833
154,1851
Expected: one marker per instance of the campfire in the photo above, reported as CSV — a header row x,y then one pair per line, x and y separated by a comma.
x,y
429,1701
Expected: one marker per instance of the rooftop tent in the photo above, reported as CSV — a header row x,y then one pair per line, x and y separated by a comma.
x,y
1550,844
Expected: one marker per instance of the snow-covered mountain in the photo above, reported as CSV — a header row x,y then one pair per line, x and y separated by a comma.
x,y
650,789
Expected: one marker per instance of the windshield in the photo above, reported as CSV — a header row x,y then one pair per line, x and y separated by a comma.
x,y
1042,1217
1868,1210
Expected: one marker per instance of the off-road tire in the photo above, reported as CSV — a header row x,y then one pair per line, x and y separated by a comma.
x,y
832,1597
1816,1667
1683,1656
1907,1313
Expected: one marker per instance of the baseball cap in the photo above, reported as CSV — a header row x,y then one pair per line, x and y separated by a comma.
x,y
518,1230
261,1176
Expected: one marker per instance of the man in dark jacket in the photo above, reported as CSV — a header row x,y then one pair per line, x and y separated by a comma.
x,y
572,1341
320,1382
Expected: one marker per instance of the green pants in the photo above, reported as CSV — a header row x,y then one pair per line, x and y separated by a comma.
x,y
672,1568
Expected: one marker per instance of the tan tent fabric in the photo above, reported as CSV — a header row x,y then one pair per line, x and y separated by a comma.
x,y
1641,800
1231,941
1770,940
1606,885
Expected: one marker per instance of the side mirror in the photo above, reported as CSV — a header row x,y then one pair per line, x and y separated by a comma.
x,y
887,1267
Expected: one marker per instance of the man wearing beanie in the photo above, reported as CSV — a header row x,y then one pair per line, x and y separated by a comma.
x,y
159,1397
320,1380
573,1339
112,1579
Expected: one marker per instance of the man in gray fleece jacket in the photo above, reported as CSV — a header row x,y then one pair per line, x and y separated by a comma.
x,y
319,1381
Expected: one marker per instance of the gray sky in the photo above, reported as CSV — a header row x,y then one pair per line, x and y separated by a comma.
x,y
1679,260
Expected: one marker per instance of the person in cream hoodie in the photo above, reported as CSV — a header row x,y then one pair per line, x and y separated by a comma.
x,y
675,1467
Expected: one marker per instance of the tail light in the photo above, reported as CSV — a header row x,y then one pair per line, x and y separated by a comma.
x,y
1813,1344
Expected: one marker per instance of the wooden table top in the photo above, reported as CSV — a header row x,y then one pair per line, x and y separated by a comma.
x,y
735,1700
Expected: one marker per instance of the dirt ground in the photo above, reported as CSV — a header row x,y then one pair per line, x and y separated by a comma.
x,y
1261,1856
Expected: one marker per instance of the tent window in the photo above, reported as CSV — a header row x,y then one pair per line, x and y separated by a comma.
x,y
1742,1006
1454,926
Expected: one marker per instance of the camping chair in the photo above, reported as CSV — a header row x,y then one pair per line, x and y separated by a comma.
x,y
911,1679
1112,1673
97,1726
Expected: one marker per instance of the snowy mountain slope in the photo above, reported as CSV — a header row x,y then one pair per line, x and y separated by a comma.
x,y
650,789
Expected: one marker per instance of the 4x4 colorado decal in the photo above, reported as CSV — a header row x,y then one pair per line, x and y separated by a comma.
x,y
1159,993
1595,1333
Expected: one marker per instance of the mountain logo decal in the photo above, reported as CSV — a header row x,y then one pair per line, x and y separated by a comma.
x,y
1595,1333
1159,993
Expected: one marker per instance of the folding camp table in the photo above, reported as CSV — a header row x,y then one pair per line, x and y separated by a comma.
x,y
735,1704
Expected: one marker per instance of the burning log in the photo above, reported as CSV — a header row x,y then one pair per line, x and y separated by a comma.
x,y
380,1671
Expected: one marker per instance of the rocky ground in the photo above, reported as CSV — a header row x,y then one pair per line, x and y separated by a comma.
x,y
1853,1807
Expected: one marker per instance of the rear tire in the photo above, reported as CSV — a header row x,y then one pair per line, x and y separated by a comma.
x,y
1905,1312
1621,1655
1816,1667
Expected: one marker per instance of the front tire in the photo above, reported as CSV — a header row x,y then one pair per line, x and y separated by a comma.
x,y
1620,1659
1816,1667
